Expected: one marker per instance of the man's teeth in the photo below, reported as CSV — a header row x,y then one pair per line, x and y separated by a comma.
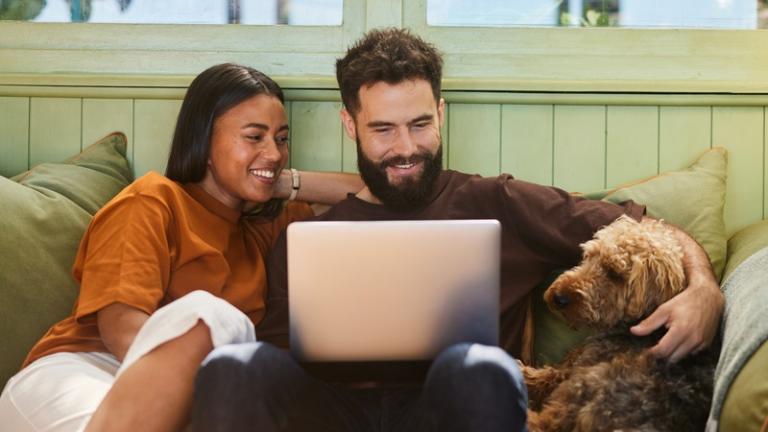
x,y
405,166
263,173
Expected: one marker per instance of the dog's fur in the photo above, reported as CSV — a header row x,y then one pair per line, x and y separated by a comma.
x,y
611,382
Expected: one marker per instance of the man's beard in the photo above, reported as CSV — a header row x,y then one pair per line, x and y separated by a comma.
x,y
412,192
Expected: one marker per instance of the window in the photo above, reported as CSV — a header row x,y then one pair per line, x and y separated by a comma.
x,y
263,12
176,50
741,14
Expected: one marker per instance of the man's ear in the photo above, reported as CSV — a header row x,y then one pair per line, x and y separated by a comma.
x,y
349,123
441,111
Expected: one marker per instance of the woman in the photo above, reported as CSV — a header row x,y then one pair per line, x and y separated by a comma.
x,y
180,258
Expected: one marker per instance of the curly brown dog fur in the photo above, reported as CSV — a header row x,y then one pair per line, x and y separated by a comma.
x,y
611,382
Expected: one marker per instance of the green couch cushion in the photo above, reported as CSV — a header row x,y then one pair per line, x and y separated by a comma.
x,y
692,199
745,243
45,212
746,403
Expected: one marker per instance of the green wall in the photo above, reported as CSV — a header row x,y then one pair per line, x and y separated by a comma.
x,y
582,109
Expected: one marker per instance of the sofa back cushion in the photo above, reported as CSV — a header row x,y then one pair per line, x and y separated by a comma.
x,y
44,214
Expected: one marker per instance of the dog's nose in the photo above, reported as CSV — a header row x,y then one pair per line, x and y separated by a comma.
x,y
561,300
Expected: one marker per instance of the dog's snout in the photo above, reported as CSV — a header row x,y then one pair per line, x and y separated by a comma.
x,y
561,300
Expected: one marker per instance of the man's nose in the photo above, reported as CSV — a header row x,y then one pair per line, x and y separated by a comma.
x,y
404,144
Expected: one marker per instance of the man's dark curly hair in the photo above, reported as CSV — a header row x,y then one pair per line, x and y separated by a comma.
x,y
390,55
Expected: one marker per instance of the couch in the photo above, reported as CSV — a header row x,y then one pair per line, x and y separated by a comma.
x,y
45,211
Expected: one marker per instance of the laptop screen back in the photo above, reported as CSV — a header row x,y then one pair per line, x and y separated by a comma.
x,y
391,290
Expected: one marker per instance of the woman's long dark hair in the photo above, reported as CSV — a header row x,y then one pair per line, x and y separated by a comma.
x,y
211,94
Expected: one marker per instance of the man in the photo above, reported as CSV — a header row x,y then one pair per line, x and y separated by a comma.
x,y
390,85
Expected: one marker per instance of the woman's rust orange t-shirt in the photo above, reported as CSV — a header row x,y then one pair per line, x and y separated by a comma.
x,y
156,241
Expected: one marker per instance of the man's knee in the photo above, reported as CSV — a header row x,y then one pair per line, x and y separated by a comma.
x,y
471,366
256,366
475,387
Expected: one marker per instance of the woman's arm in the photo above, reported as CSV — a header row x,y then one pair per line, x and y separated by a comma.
x,y
317,187
155,393
118,325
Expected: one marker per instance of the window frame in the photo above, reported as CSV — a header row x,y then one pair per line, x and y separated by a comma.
x,y
594,60
173,50
597,59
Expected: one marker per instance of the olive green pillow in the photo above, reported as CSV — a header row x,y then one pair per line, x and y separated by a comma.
x,y
692,199
745,243
45,212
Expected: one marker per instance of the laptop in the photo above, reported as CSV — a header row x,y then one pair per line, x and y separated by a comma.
x,y
396,292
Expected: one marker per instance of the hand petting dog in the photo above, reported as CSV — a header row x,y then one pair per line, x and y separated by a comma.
x,y
692,317
615,379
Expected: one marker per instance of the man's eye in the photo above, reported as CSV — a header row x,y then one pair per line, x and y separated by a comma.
x,y
420,125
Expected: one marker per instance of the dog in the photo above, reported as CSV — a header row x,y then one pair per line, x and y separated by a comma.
x,y
611,382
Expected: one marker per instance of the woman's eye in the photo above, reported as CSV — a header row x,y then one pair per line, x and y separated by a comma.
x,y
254,137
282,140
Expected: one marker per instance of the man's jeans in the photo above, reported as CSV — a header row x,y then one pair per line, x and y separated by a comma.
x,y
257,387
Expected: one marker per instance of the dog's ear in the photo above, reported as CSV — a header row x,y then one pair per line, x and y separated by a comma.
x,y
657,272
638,301
669,274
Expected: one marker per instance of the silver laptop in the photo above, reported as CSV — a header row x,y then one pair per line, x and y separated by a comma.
x,y
393,290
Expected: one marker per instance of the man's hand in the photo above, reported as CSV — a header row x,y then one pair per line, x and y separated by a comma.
x,y
692,317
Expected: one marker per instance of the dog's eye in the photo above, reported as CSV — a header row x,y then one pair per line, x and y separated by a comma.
x,y
613,275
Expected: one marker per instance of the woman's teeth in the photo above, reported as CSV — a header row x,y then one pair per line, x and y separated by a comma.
x,y
263,173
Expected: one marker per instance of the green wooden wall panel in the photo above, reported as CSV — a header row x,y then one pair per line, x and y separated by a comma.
x,y
348,151
740,130
103,116
55,132
526,142
349,154
632,143
14,135
684,134
579,147
316,136
475,138
154,121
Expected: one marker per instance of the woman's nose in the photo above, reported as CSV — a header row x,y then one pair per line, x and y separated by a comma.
x,y
271,151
